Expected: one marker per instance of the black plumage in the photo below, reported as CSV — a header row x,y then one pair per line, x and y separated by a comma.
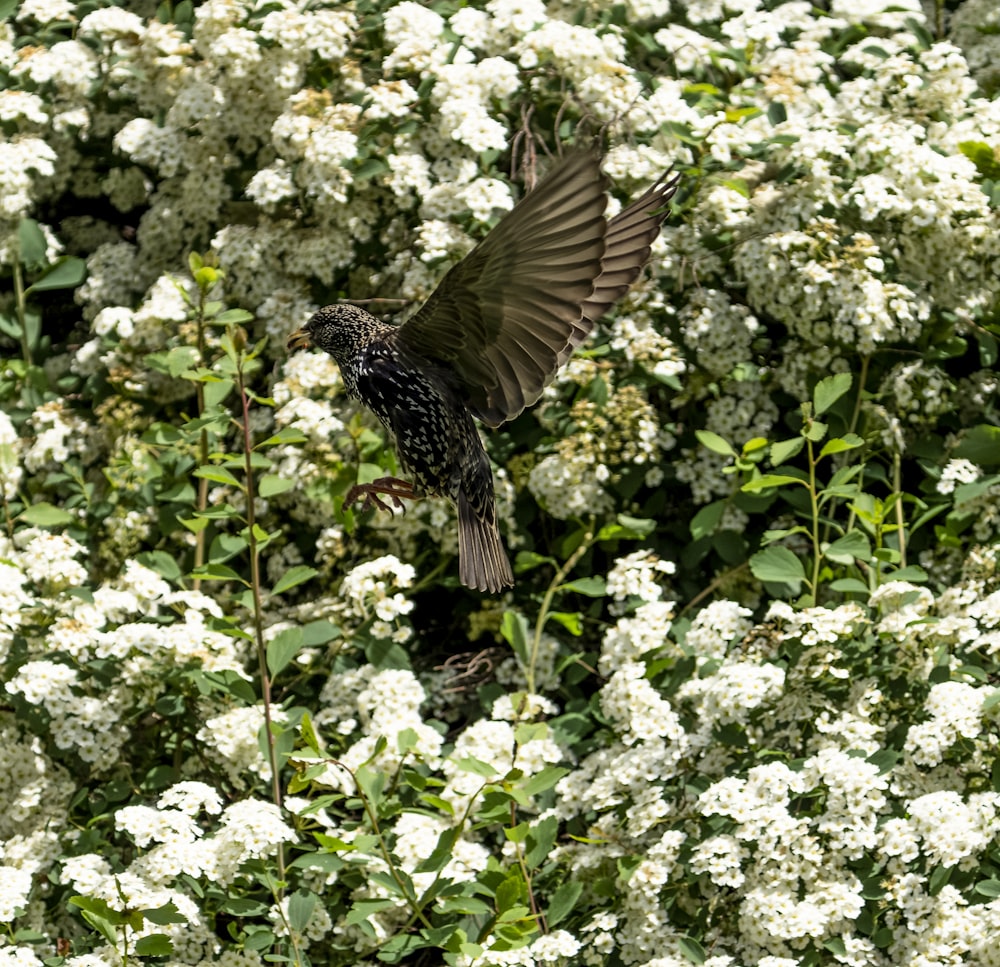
x,y
488,341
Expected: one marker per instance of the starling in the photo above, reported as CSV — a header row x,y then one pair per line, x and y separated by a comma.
x,y
487,341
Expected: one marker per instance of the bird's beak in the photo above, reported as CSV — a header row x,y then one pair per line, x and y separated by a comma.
x,y
300,339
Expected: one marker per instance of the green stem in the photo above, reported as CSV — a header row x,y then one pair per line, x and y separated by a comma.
x,y
405,892
21,304
814,503
897,486
526,873
543,612
258,606
202,499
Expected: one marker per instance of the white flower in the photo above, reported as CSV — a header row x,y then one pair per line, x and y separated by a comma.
x,y
15,887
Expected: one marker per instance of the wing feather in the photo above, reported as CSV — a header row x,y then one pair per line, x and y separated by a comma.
x,y
507,316
503,315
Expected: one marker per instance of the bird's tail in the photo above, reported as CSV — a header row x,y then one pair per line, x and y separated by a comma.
x,y
482,560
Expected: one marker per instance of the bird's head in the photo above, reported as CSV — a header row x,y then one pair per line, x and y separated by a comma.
x,y
342,330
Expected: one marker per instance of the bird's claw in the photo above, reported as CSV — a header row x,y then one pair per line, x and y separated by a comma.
x,y
392,487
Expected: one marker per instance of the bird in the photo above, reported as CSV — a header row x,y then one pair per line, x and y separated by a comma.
x,y
487,341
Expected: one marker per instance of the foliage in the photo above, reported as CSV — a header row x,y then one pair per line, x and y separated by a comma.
x,y
740,708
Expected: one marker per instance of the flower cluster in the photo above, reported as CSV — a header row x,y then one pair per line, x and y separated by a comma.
x,y
243,722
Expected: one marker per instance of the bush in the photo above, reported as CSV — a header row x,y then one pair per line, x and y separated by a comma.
x,y
740,708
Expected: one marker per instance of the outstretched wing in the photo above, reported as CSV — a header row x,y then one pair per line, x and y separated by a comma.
x,y
506,315
630,237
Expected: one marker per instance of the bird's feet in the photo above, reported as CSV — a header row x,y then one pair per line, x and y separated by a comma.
x,y
392,487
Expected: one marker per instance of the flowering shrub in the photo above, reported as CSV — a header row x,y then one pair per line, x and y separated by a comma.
x,y
741,707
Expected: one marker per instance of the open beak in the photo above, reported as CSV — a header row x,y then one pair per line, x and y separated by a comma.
x,y
300,339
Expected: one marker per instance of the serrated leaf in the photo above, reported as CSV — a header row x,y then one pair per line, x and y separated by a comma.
x,y
854,545
44,514
154,945
777,564
849,441
164,915
715,443
293,577
829,390
784,450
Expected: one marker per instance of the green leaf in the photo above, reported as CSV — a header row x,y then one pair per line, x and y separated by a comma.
x,y
319,633
715,443
777,564
572,621
983,157
990,888
441,854
217,572
849,441
232,317
541,839
44,514
287,434
67,273
563,901
705,522
271,485
545,779
282,649
829,390
784,450
852,546
301,905
692,950
217,475
154,945
476,767
293,577
100,915
766,481
31,242
166,914
514,628
592,587
981,445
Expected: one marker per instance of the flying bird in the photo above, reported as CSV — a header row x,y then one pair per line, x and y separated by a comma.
x,y
487,342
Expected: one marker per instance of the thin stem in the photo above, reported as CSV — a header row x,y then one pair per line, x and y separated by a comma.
x,y
21,304
897,486
543,611
202,499
404,890
258,606
526,873
814,502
